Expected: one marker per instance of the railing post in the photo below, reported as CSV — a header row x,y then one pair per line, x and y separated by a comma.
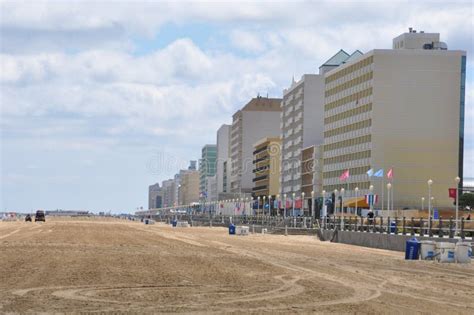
x,y
404,228
355,224
462,229
396,226
362,224
412,232
421,227
440,228
430,227
451,230
388,225
381,225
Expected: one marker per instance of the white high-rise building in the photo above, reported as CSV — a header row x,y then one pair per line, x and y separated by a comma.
x,y
223,156
302,122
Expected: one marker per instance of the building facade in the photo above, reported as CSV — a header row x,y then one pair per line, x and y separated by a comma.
x,y
302,123
154,196
207,166
266,159
168,192
399,109
189,187
223,160
259,118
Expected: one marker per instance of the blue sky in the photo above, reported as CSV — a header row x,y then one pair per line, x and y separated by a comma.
x,y
101,99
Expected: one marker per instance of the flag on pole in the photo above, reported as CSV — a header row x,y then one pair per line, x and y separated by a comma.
x,y
371,199
452,193
344,175
379,173
370,172
390,173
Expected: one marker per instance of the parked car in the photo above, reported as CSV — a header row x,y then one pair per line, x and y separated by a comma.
x,y
28,218
40,216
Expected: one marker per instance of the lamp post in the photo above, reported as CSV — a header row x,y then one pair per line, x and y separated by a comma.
x,y
457,180
371,188
342,199
258,204
278,204
284,206
430,182
324,204
293,201
422,203
302,202
269,205
357,195
335,201
389,186
313,215
263,205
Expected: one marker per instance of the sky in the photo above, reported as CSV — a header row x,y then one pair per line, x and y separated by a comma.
x,y
100,99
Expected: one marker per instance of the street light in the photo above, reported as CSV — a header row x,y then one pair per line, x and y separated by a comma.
x,y
263,205
356,193
422,203
312,205
284,206
302,201
430,182
278,204
457,180
342,199
293,201
389,186
324,204
371,188
335,201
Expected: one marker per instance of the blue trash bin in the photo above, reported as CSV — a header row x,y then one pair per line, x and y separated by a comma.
x,y
231,229
412,249
174,222
393,226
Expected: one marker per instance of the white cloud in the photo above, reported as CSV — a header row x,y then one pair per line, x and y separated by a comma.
x,y
247,41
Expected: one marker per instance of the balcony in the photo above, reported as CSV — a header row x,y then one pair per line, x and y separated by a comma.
x,y
256,179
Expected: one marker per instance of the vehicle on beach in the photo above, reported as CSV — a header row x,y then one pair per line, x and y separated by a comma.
x,y
40,216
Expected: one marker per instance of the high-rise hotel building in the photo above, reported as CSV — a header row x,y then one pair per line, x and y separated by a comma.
x,y
400,108
259,118
301,126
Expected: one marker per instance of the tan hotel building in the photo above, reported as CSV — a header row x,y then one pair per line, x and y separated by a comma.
x,y
400,108
267,153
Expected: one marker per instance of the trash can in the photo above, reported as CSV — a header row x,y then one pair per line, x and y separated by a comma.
x,y
174,222
393,227
231,229
412,249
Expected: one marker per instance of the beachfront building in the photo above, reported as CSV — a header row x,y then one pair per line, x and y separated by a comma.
x,y
207,167
259,118
266,160
154,196
399,109
189,187
301,126
223,162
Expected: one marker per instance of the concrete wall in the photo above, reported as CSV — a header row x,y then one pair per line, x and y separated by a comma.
x,y
377,240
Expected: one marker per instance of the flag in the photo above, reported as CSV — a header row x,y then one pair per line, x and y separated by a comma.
x,y
298,204
371,199
379,173
452,193
390,173
370,172
344,175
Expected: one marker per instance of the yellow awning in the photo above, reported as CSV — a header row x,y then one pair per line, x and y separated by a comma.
x,y
351,203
